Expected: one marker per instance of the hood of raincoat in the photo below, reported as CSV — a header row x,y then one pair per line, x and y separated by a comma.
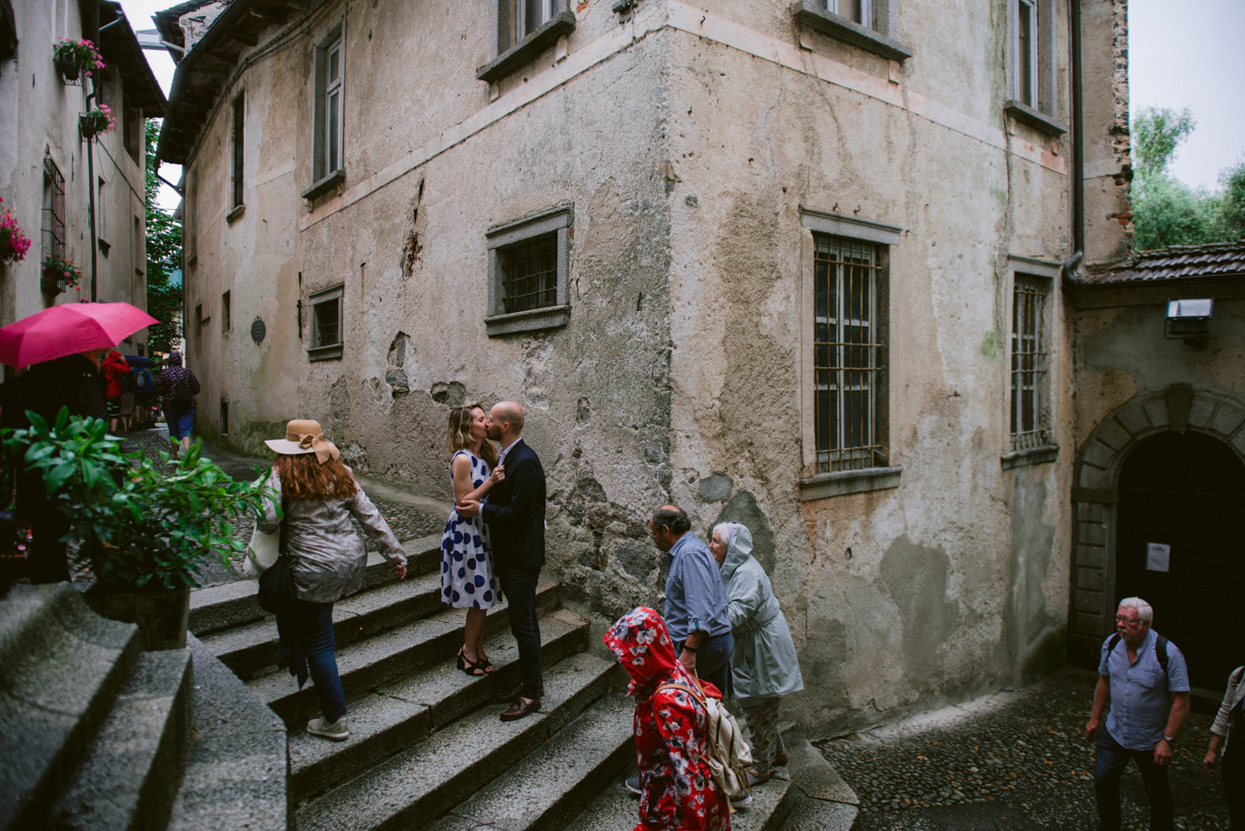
x,y
739,550
643,646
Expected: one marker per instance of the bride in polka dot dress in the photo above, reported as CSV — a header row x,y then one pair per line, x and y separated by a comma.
x,y
467,580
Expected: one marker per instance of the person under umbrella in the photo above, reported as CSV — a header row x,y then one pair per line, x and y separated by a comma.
x,y
63,346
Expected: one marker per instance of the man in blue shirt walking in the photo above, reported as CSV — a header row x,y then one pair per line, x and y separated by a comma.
x,y
1145,680
695,600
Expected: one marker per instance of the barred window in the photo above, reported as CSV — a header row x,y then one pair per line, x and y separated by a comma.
x,y
1030,407
847,354
53,241
530,274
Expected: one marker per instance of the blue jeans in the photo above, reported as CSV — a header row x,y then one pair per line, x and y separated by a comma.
x,y
519,584
1109,766
713,660
308,646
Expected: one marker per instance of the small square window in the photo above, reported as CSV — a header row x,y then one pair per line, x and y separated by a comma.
x,y
529,264
326,324
867,24
524,29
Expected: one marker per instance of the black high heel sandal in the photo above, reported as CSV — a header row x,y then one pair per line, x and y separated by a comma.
x,y
469,666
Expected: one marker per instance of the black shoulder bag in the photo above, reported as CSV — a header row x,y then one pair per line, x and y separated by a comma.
x,y
276,584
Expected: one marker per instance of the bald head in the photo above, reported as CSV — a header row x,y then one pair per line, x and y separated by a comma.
x,y
505,422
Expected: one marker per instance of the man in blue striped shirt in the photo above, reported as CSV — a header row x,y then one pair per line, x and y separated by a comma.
x,y
1145,680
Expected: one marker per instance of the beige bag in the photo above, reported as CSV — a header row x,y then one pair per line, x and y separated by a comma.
x,y
728,756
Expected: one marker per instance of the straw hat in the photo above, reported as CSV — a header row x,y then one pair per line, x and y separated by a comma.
x,y
303,435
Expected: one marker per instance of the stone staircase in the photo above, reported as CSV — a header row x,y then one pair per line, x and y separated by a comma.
x,y
427,749
95,734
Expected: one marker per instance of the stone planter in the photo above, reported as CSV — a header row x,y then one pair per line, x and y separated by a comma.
x,y
162,616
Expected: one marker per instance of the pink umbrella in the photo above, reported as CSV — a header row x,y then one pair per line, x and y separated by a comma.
x,y
64,330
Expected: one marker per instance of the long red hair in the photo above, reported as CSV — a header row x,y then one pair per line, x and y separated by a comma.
x,y
303,477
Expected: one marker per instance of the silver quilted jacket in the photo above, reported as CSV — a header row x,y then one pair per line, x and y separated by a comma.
x,y
327,557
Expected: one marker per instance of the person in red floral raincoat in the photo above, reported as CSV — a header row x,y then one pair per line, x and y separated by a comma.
x,y
676,788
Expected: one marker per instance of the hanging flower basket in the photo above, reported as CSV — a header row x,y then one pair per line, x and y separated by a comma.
x,y
73,57
59,273
13,243
98,120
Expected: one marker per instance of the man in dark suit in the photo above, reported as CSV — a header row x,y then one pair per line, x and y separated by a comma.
x,y
515,513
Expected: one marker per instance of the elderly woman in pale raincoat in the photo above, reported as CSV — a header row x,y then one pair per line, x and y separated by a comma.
x,y
764,666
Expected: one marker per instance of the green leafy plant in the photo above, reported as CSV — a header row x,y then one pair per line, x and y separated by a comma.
x,y
99,120
140,528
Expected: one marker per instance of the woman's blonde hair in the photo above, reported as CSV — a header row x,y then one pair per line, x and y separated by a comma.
x,y
303,477
458,436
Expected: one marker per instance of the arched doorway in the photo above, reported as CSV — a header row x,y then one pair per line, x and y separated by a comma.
x,y
1186,490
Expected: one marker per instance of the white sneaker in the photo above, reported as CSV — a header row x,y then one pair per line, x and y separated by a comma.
x,y
334,730
741,801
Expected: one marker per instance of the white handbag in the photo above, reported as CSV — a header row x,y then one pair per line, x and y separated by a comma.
x,y
261,552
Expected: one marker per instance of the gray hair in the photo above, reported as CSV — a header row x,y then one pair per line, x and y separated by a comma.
x,y
723,531
1144,610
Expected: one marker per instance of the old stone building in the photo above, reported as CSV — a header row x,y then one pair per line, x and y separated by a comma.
x,y
1159,477
796,265
75,194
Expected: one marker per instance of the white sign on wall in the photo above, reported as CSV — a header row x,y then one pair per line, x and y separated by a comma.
x,y
1158,556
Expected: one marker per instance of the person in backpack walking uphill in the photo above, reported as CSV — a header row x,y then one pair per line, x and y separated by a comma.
x,y
1145,680
677,791
177,388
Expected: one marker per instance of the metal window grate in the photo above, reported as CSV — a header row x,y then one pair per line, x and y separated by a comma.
x,y
327,328
847,355
53,210
1030,413
530,274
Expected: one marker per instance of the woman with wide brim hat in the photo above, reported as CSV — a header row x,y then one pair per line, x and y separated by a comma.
x,y
327,557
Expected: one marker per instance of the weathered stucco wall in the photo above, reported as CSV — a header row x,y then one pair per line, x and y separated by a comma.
x,y
685,141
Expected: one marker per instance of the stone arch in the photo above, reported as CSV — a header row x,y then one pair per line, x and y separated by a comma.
x,y
1095,494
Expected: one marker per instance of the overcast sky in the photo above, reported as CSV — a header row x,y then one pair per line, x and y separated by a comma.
x,y
1195,59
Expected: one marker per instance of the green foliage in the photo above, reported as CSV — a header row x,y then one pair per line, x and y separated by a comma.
x,y
1166,211
164,255
139,527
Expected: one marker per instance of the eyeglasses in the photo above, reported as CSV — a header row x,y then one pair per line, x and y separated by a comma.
x,y
1131,621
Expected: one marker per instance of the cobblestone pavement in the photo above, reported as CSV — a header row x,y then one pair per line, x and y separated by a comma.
x,y
407,522
1013,760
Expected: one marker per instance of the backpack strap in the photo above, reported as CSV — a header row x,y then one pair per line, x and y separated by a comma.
x,y
677,686
1160,652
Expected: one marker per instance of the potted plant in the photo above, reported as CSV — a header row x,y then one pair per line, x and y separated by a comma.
x,y
72,57
60,273
13,243
99,120
143,531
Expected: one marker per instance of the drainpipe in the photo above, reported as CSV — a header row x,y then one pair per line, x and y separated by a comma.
x,y
1078,136
90,181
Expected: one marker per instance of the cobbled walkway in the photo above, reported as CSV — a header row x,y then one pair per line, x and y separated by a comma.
x,y
1013,760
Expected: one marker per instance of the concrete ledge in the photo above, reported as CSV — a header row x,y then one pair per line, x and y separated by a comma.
x,y
843,482
236,770
1031,456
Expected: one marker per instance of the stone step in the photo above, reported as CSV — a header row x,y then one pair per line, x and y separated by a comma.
x,y
233,604
374,662
616,807
249,648
236,769
61,666
547,788
134,767
394,718
412,789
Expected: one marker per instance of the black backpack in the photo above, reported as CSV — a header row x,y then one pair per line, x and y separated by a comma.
x,y
180,400
1160,652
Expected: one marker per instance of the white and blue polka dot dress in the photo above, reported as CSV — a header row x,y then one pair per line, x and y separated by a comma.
x,y
467,580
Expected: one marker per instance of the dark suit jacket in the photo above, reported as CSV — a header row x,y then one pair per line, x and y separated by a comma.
x,y
515,511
